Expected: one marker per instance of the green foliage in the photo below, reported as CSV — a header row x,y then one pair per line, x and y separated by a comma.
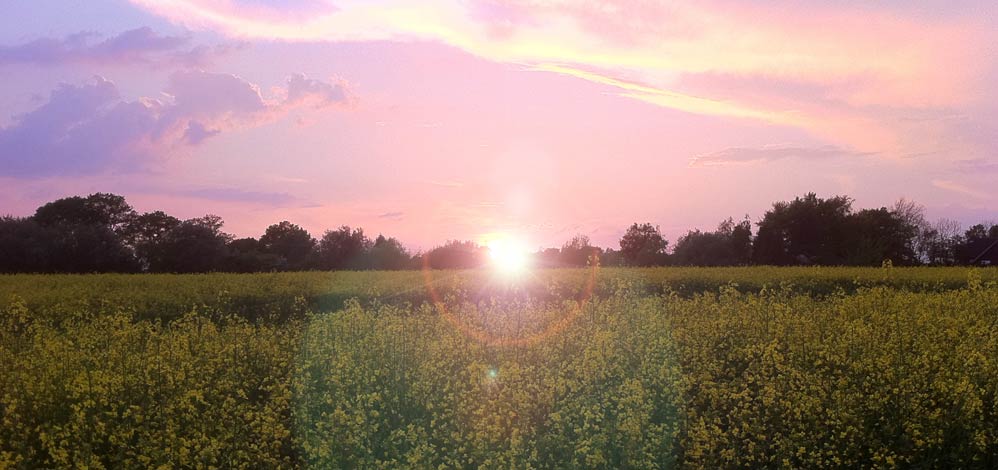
x,y
661,368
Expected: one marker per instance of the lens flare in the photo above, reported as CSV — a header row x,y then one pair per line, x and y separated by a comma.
x,y
508,256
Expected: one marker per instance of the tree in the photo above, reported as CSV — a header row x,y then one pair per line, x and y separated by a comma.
x,y
104,209
456,255
149,227
643,245
245,255
975,240
912,214
876,235
807,230
942,242
25,246
290,242
193,246
982,231
548,258
578,252
85,233
343,248
611,257
89,249
730,245
143,232
111,209
388,254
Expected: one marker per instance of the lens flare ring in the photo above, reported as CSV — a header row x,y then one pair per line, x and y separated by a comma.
x,y
490,339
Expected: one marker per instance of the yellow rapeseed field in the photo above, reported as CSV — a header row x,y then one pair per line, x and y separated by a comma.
x,y
643,369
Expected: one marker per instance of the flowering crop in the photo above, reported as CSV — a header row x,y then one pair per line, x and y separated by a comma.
x,y
882,375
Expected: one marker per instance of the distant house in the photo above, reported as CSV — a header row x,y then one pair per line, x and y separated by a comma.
x,y
983,252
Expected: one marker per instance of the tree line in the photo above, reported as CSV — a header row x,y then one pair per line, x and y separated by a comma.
x,y
103,233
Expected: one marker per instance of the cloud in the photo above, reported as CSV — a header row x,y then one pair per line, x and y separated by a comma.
x,y
136,46
955,187
666,98
392,215
746,155
238,195
289,179
84,129
848,73
305,91
447,184
977,166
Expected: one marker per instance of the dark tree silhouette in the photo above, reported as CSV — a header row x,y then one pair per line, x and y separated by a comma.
x,y
941,242
611,257
104,209
975,240
193,246
25,246
548,258
876,235
981,232
85,233
389,254
246,255
89,248
643,245
456,255
730,245
343,248
290,242
102,233
143,232
807,230
579,251
149,227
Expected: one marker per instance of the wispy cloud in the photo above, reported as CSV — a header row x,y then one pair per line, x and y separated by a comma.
x,y
275,199
395,215
136,46
977,166
289,179
86,128
959,188
746,155
447,184
666,98
819,67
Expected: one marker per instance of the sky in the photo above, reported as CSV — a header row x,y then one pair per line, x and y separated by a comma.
x,y
438,120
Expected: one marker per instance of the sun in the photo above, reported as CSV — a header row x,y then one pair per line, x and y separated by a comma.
x,y
508,256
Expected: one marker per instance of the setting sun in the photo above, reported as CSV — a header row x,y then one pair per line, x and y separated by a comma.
x,y
508,255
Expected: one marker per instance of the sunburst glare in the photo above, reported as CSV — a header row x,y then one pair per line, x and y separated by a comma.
x,y
509,256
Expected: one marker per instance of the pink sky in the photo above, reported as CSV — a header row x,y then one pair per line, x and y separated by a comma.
x,y
452,120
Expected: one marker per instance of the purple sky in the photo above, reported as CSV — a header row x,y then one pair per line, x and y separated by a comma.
x,y
465,119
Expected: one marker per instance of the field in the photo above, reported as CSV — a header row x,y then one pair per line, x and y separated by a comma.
x,y
610,368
